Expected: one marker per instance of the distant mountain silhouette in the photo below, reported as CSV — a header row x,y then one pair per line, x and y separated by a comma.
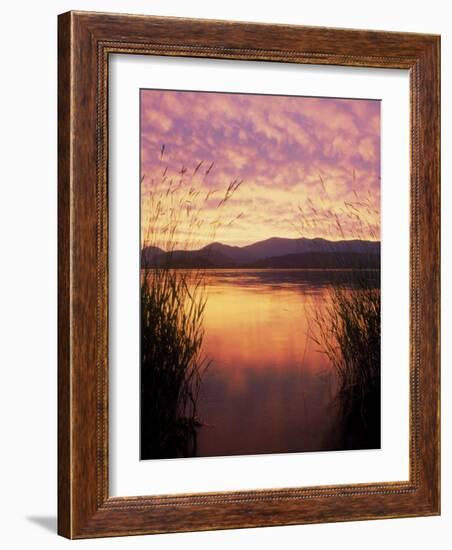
x,y
275,252
149,253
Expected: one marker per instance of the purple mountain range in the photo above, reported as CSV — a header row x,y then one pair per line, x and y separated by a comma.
x,y
275,252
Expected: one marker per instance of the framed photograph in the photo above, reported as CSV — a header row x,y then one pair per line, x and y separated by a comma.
x,y
248,275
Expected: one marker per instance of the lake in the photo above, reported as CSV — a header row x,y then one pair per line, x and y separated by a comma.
x,y
268,389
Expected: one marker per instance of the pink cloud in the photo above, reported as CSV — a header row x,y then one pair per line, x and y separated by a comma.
x,y
317,153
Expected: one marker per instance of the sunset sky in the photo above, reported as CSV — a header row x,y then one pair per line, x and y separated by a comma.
x,y
307,166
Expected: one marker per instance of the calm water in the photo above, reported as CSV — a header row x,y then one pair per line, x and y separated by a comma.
x,y
268,389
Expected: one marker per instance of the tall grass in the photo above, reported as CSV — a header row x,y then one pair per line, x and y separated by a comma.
x,y
172,363
346,327
173,301
347,330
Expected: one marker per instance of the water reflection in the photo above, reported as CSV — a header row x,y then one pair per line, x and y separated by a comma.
x,y
306,280
268,389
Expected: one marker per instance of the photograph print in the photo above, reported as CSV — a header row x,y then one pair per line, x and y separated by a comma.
x,y
259,274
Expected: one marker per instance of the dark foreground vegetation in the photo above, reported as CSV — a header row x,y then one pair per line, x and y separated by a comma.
x,y
172,364
172,309
348,331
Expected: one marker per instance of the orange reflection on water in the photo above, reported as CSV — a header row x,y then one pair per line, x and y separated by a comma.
x,y
256,326
268,389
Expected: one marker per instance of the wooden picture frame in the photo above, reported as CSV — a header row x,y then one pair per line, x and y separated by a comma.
x,y
85,42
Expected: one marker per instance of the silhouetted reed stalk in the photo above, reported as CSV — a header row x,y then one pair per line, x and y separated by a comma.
x,y
347,326
172,364
347,330
173,302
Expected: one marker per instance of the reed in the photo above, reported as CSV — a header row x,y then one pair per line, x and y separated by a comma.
x,y
347,326
347,330
174,209
172,363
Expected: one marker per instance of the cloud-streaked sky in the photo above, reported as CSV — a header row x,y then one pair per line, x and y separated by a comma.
x,y
307,166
